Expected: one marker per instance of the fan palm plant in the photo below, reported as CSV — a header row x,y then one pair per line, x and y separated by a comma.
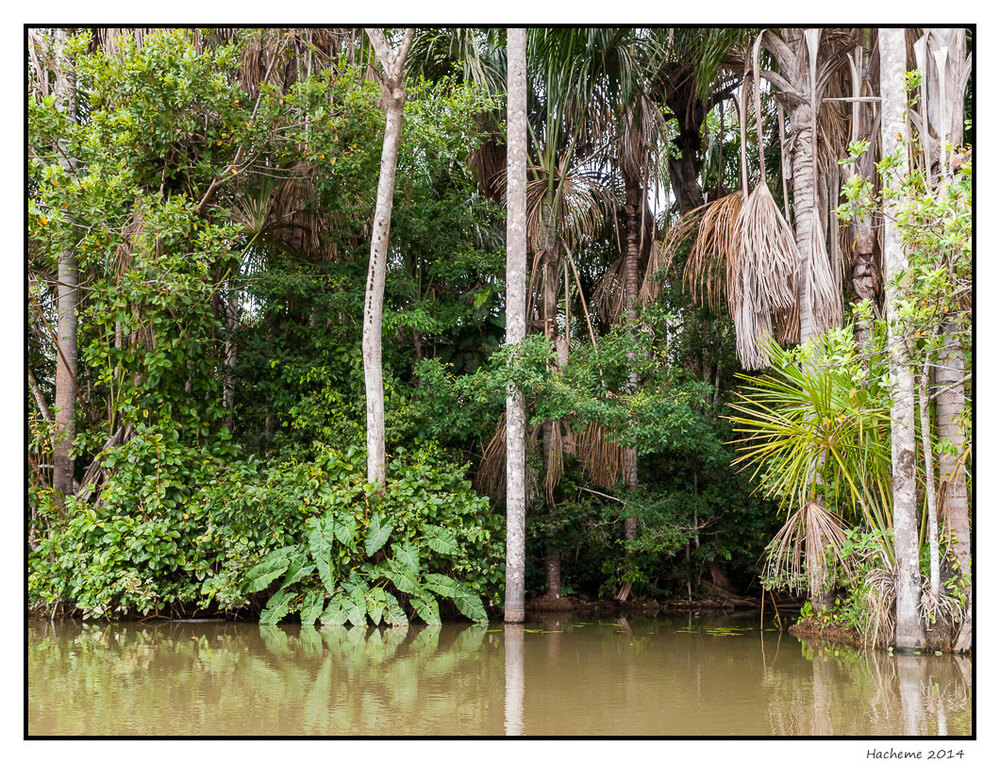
x,y
814,433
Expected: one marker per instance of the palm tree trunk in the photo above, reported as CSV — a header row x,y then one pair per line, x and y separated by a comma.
x,y
945,114
950,382
804,198
517,182
633,191
909,629
394,96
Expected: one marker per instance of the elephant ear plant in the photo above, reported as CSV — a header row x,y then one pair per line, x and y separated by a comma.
x,y
343,569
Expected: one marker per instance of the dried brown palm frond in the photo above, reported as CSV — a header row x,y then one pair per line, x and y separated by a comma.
x,y
569,207
490,478
706,271
880,607
762,277
554,463
824,294
803,541
490,475
602,458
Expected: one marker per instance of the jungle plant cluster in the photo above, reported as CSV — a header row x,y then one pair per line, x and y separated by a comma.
x,y
221,229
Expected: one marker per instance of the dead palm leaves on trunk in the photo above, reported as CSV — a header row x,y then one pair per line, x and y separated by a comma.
x,y
765,270
798,554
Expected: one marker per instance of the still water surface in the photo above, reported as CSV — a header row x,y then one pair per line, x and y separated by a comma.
x,y
683,676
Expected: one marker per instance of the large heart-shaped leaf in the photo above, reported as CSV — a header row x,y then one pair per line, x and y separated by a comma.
x,y
312,604
407,556
277,607
427,609
378,533
440,539
345,528
336,611
268,569
468,603
320,545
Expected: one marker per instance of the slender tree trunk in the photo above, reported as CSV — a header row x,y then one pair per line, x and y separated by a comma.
x,y
633,193
909,629
930,482
945,112
950,384
804,198
517,181
393,98
67,301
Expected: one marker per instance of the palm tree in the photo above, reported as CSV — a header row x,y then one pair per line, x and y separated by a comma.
x,y
942,60
909,629
517,161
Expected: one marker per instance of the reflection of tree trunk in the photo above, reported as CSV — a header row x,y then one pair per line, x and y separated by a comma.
x,y
513,654
911,705
517,179
909,628
822,687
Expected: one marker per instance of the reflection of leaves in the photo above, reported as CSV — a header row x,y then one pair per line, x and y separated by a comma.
x,y
470,639
275,639
425,642
311,642
318,700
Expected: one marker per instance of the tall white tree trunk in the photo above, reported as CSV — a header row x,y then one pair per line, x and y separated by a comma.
x,y
909,628
517,182
947,73
393,98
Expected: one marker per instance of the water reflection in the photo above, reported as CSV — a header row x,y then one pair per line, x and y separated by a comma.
x,y
559,676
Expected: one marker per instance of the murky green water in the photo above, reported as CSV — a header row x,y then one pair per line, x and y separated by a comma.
x,y
564,676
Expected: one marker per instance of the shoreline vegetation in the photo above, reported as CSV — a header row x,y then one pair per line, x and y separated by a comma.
x,y
374,326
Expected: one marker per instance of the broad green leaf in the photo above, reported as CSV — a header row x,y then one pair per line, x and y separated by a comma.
x,y
336,611
320,545
345,528
441,584
407,556
376,605
268,569
277,607
394,614
357,607
427,609
440,539
378,533
312,605
468,603
300,568
404,580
